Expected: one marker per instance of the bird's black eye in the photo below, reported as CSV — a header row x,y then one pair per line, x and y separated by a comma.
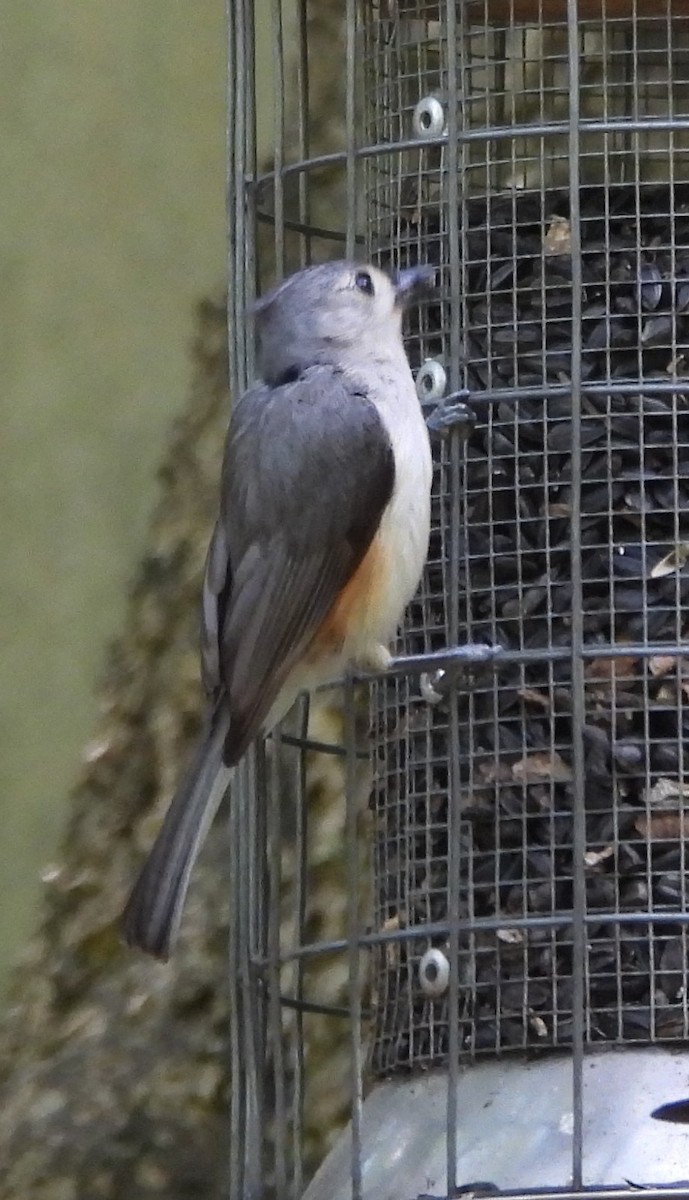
x,y
363,281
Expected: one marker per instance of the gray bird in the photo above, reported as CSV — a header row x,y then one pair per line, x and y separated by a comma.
x,y
320,541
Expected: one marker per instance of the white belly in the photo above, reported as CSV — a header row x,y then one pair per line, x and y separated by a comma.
x,y
405,526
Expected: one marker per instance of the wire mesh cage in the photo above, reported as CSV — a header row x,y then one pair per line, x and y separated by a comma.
x,y
508,881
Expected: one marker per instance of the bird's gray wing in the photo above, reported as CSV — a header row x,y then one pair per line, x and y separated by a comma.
x,y
308,471
217,583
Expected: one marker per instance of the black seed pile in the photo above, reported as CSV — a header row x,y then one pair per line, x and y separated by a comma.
x,y
516,726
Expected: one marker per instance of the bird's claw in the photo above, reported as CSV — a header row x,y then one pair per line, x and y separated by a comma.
x,y
428,682
465,672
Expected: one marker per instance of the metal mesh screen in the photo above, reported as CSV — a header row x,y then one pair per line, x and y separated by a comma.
x,y
526,819
518,531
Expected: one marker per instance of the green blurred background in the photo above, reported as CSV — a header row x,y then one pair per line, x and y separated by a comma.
x,y
112,227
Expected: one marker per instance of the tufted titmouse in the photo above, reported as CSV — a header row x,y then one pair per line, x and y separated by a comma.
x,y
319,545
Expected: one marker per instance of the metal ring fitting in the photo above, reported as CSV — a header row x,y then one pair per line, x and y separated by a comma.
x,y
428,120
434,973
431,381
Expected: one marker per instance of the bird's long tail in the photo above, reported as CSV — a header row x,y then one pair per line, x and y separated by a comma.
x,y
153,913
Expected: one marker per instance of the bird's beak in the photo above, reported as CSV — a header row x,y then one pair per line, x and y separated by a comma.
x,y
411,283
